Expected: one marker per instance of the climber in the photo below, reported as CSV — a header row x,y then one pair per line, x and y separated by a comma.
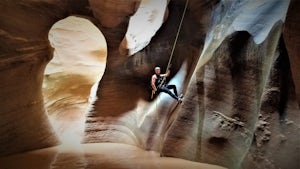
x,y
158,85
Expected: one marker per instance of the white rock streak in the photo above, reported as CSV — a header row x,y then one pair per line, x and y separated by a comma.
x,y
143,25
257,17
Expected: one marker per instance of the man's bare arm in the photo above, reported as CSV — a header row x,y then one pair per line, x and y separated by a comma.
x,y
153,79
166,74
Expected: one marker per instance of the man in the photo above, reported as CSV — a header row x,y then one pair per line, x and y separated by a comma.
x,y
158,84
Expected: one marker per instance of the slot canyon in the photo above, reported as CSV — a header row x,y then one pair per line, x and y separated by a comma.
x,y
75,84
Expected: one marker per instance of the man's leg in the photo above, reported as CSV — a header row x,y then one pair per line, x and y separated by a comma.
x,y
165,89
174,89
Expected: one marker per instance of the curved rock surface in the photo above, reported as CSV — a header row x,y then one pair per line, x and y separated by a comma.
x,y
25,52
235,61
112,13
143,25
78,63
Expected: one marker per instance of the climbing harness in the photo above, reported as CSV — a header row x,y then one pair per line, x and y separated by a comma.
x,y
173,48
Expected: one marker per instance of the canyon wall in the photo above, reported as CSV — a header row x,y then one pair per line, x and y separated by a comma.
x,y
235,62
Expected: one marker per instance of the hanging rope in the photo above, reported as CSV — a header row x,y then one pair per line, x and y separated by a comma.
x,y
175,42
174,45
178,31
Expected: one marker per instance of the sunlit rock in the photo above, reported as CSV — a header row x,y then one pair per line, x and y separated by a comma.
x,y
257,17
143,25
78,63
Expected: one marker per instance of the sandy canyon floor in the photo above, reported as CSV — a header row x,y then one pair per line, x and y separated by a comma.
x,y
99,155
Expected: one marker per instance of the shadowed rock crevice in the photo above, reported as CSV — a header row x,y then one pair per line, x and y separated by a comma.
x,y
284,78
237,46
291,39
126,79
218,141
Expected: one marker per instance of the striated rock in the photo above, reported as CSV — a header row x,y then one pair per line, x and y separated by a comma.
x,y
242,70
245,66
25,52
24,123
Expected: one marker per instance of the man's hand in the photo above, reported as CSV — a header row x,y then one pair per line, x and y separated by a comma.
x,y
168,73
154,88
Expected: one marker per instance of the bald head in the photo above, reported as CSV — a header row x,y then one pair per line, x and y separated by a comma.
x,y
157,70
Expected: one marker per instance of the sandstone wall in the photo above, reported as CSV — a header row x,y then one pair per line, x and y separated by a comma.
x,y
240,107
25,51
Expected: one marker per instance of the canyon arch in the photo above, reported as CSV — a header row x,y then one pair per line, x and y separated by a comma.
x,y
72,76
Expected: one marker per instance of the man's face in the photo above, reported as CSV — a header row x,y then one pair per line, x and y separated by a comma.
x,y
157,71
